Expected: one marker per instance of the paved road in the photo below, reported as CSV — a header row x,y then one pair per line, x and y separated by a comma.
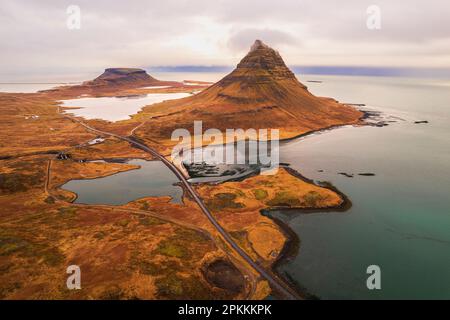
x,y
276,283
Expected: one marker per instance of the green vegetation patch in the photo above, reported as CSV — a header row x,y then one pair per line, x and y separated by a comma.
x,y
16,245
52,256
149,268
240,237
284,199
168,248
18,181
144,205
123,222
172,286
312,198
100,235
9,245
150,221
67,212
266,183
260,194
222,201
179,245
190,236
13,182
49,200
145,265
41,216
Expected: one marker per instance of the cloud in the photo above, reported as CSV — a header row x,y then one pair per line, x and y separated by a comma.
x,y
34,35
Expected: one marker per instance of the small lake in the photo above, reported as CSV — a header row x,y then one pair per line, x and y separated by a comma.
x,y
153,179
116,108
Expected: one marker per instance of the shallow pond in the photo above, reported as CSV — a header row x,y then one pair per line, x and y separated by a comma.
x,y
116,108
152,179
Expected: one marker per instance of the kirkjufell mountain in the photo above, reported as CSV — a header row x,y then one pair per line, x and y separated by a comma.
x,y
260,93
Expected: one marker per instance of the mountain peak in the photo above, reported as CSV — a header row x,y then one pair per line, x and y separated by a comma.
x,y
261,92
258,45
261,64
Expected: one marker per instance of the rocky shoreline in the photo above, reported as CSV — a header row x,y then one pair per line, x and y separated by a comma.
x,y
292,245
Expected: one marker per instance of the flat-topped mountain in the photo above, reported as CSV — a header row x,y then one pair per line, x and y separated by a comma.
x,y
110,81
127,78
121,75
117,76
260,93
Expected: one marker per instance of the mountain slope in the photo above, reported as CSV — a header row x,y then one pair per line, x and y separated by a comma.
x,y
262,81
260,93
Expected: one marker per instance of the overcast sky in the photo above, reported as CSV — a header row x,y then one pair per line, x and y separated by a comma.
x,y
34,37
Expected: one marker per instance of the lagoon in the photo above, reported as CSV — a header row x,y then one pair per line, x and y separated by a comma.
x,y
116,108
152,179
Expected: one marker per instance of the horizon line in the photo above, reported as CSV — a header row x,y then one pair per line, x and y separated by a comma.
x,y
323,70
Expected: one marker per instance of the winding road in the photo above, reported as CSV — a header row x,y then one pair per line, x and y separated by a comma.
x,y
276,283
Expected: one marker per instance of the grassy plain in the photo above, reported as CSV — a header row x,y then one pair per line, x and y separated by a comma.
x,y
149,248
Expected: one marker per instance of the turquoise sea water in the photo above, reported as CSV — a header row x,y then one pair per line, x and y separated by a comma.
x,y
400,219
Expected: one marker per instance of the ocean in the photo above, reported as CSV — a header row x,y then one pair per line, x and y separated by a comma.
x,y
400,218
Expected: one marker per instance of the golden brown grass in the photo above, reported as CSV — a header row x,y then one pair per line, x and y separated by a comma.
x,y
240,212
149,248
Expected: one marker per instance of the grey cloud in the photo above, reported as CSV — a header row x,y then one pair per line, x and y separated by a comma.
x,y
144,33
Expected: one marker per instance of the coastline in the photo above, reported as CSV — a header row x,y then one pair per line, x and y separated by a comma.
x,y
366,115
292,246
